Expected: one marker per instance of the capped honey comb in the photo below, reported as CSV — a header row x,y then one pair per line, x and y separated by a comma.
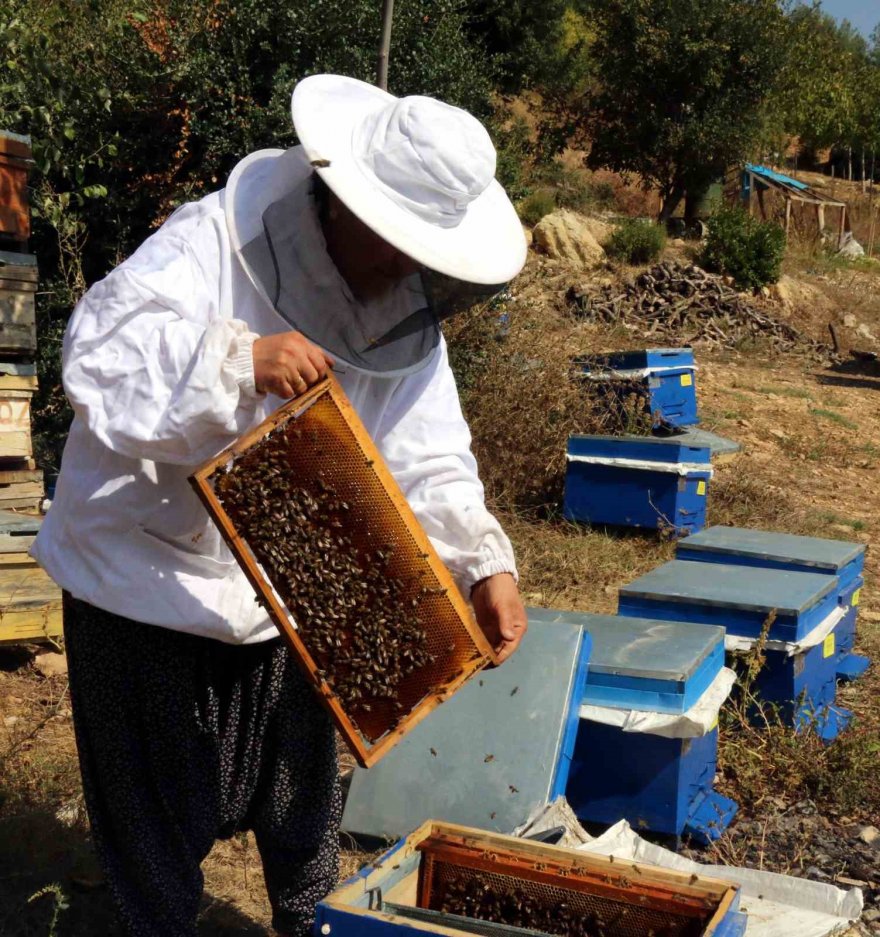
x,y
325,536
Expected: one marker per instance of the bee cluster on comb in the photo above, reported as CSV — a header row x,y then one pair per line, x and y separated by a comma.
x,y
322,531
360,623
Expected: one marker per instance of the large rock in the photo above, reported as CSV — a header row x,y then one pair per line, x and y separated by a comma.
x,y
565,235
794,294
601,230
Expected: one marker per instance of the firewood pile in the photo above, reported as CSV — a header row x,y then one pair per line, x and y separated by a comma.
x,y
687,305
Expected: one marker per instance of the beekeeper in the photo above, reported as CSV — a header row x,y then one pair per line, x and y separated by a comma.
x,y
191,719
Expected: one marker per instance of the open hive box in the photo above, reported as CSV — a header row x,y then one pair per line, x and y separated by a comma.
x,y
447,879
326,537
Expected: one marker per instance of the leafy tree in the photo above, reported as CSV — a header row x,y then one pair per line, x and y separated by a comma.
x,y
135,106
683,88
534,45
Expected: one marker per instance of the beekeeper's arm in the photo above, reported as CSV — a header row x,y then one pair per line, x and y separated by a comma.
x,y
426,443
157,368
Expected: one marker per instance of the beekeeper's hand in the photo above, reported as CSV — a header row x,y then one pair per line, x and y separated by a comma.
x,y
500,613
288,364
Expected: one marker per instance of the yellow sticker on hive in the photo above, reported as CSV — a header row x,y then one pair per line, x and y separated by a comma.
x,y
701,488
687,380
856,596
714,725
828,645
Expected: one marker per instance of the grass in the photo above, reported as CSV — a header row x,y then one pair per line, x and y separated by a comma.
x,y
838,418
832,517
800,393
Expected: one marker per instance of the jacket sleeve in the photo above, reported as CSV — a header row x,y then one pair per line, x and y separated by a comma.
x,y
427,445
151,364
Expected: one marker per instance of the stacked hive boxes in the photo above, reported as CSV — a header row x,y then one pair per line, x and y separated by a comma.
x,y
658,481
30,603
769,550
647,741
21,483
796,615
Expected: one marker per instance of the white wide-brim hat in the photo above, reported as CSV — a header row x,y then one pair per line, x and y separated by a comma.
x,y
417,172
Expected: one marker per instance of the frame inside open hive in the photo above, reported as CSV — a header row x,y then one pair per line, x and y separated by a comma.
x,y
556,893
455,880
334,552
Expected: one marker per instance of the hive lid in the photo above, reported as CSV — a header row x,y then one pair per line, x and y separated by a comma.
x,y
640,647
650,448
830,555
644,358
723,585
502,746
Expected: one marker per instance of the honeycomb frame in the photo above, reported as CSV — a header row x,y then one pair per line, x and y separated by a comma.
x,y
380,514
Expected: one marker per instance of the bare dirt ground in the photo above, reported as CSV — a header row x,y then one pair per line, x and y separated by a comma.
x,y
811,440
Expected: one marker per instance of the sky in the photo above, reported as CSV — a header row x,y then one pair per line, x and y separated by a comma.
x,y
863,14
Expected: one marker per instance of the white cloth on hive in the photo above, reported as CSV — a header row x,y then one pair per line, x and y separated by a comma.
x,y
158,366
775,905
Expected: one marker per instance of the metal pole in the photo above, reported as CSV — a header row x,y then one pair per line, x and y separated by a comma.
x,y
385,44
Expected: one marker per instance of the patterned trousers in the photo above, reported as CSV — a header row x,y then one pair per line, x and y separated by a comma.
x,y
183,740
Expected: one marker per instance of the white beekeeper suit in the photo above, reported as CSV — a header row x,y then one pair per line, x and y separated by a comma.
x,y
159,369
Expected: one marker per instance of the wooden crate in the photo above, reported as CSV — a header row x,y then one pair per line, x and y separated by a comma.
x,y
15,164
326,448
15,424
30,605
18,375
403,892
18,316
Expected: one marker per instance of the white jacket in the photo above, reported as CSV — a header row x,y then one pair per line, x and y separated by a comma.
x,y
158,367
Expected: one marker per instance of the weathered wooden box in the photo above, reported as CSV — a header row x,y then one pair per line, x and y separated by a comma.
x,y
30,605
15,164
18,316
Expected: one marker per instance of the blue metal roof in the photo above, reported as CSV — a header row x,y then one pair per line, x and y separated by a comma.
x,y
776,176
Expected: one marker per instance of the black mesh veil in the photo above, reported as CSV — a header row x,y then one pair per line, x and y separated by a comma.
x,y
394,335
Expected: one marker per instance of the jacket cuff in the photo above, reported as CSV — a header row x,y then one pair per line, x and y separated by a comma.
x,y
243,363
490,568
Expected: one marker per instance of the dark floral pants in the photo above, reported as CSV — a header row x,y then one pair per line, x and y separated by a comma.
x,y
183,740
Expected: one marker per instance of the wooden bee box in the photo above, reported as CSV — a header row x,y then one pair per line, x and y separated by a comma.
x,y
15,164
326,537
18,317
30,605
449,879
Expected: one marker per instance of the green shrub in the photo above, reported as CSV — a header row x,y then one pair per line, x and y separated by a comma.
x,y
744,248
636,241
537,204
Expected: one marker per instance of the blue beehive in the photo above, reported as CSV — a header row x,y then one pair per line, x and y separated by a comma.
x,y
634,481
656,783
802,688
741,598
404,893
772,550
737,598
668,376
850,666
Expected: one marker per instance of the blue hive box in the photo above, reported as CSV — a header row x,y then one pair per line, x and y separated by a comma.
x,y
668,374
802,689
498,749
660,784
850,666
401,894
633,481
772,550
737,598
